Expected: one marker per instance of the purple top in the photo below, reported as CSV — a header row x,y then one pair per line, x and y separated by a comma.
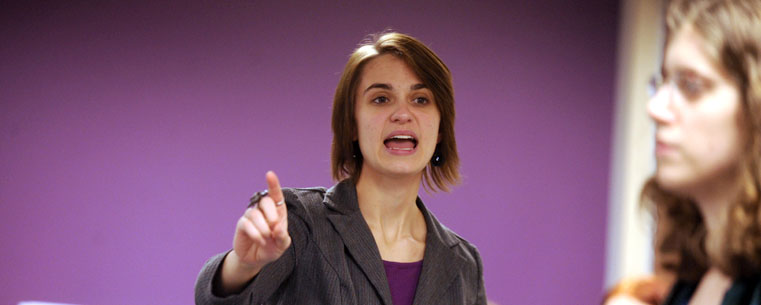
x,y
402,280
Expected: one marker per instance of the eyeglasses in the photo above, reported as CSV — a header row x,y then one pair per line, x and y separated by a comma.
x,y
653,84
689,84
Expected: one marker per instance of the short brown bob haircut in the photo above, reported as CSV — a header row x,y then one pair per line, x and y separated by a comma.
x,y
345,158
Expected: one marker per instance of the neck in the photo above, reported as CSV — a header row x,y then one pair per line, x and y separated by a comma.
x,y
388,204
714,202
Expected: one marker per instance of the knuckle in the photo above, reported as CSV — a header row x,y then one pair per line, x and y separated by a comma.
x,y
266,200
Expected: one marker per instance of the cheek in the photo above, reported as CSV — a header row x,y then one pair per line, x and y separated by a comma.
x,y
430,122
716,142
430,131
728,146
368,127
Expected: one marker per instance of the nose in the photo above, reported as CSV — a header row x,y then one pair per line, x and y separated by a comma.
x,y
401,114
660,106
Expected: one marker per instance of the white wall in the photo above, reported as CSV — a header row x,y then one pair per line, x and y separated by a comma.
x,y
629,241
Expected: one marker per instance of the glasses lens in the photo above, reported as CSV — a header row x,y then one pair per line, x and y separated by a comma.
x,y
653,85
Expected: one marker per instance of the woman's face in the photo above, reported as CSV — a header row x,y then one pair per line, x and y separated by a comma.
x,y
397,118
696,114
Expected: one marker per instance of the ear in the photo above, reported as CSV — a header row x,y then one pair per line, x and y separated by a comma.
x,y
438,138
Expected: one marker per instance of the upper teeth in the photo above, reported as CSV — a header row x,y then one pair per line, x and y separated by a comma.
x,y
403,137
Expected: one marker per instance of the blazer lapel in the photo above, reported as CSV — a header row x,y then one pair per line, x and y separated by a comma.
x,y
440,264
351,226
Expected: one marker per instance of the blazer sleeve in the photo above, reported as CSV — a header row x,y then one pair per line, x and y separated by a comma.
x,y
269,279
481,292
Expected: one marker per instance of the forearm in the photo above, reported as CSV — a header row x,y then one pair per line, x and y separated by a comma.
x,y
234,275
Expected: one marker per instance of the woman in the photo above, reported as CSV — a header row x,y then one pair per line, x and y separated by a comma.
x,y
369,239
707,184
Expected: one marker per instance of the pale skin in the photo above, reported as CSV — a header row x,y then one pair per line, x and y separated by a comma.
x,y
698,144
261,237
390,99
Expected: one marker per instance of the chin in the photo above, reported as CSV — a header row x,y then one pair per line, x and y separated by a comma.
x,y
404,169
404,172
394,168
674,182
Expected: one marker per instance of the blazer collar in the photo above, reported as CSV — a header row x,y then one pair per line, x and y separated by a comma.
x,y
440,263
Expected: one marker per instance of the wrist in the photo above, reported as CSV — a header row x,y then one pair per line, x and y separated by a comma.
x,y
235,274
239,264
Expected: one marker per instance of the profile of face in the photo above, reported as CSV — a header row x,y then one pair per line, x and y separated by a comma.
x,y
397,118
696,113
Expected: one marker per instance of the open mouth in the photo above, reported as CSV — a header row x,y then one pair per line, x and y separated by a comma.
x,y
401,143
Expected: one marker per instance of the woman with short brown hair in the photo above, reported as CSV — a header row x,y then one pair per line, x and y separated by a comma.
x,y
369,239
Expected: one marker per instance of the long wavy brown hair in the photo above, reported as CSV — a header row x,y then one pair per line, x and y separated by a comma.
x,y
731,30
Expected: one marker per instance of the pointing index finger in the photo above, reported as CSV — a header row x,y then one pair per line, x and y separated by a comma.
x,y
273,187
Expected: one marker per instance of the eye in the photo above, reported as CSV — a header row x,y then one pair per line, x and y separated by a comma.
x,y
420,100
691,85
380,100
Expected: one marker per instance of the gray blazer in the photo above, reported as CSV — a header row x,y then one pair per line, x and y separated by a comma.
x,y
333,259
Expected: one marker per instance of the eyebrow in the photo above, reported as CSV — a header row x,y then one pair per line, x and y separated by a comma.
x,y
685,70
389,87
378,86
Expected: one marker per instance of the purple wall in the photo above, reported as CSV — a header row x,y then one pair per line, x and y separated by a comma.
x,y
131,135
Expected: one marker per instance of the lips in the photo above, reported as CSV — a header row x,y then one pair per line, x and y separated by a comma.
x,y
401,142
663,147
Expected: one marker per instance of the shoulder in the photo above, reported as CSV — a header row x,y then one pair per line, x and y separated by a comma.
x,y
304,195
300,199
461,257
755,291
680,293
457,244
466,249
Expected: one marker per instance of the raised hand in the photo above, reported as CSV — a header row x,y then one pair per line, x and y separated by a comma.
x,y
261,237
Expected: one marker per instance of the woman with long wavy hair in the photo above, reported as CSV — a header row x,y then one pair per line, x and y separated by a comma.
x,y
707,185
